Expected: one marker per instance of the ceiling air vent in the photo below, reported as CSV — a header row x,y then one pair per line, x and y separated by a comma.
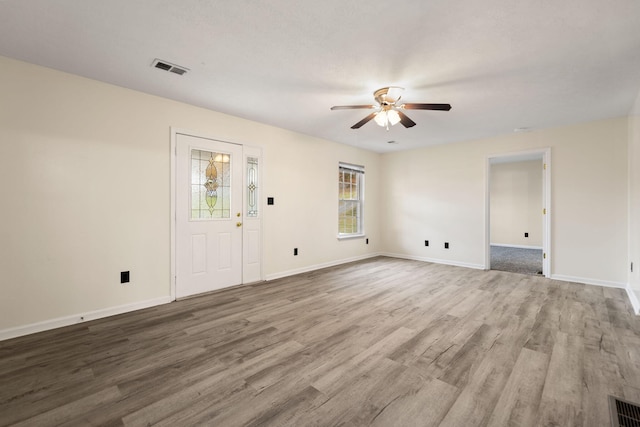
x,y
168,66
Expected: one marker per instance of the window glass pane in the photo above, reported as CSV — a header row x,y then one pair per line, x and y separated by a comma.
x,y
252,187
350,203
210,185
350,217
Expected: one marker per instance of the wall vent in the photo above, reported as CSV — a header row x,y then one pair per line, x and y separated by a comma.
x,y
168,66
623,413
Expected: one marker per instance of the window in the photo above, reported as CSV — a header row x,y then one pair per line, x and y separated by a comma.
x,y
210,185
252,187
350,200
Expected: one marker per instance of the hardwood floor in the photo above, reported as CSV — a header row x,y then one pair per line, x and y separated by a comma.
x,y
382,342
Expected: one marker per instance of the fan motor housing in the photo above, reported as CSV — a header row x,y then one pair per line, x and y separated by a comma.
x,y
383,96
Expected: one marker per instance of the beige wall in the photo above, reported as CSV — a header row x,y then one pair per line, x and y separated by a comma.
x,y
634,203
85,184
438,193
516,203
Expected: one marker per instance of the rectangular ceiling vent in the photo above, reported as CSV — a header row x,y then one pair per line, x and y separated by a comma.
x,y
623,413
168,66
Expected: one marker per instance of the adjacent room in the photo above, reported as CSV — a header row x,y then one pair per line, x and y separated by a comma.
x,y
337,213
517,217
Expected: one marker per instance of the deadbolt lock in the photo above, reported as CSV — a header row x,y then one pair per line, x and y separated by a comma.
x,y
238,214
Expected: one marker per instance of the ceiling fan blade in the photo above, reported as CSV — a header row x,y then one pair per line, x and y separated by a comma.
x,y
363,121
405,120
353,107
441,107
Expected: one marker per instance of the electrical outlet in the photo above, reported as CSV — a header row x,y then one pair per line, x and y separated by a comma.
x,y
270,201
367,241
124,277
632,267
295,251
446,245
426,243
526,234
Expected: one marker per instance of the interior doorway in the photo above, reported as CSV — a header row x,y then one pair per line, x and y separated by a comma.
x,y
518,213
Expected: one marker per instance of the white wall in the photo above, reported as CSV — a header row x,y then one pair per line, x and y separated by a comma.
x,y
438,193
634,204
85,185
516,203
302,174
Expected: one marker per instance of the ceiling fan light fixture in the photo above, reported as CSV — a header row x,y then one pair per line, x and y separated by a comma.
x,y
385,118
393,117
381,118
389,111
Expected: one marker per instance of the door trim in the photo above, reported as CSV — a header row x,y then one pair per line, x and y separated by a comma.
x,y
255,151
545,153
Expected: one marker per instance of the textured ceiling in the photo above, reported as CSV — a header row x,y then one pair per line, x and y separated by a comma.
x,y
501,64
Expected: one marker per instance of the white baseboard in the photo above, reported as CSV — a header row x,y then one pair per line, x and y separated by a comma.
x,y
504,245
59,322
634,298
587,281
435,260
319,266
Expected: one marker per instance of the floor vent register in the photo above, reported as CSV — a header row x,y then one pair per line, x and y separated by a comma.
x,y
623,413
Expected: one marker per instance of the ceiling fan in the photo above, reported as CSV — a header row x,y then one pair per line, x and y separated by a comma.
x,y
389,111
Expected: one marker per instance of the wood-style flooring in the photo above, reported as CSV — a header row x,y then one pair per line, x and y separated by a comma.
x,y
381,342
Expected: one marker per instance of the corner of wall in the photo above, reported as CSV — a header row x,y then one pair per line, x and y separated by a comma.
x,y
633,206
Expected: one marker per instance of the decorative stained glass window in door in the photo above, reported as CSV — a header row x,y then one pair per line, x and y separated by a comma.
x,y
252,187
210,185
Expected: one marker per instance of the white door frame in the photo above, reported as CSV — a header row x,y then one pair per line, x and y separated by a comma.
x,y
251,150
545,153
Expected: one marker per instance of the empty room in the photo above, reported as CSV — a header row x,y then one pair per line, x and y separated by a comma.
x,y
270,213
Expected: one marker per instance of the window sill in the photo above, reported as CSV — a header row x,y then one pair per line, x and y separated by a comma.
x,y
350,236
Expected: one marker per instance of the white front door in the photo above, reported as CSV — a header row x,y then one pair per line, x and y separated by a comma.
x,y
209,216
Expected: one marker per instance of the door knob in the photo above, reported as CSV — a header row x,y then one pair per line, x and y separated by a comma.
x,y
238,224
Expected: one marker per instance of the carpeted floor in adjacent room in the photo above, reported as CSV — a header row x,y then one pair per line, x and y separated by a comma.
x,y
516,260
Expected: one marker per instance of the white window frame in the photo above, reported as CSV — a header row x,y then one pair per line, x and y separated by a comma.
x,y
359,170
